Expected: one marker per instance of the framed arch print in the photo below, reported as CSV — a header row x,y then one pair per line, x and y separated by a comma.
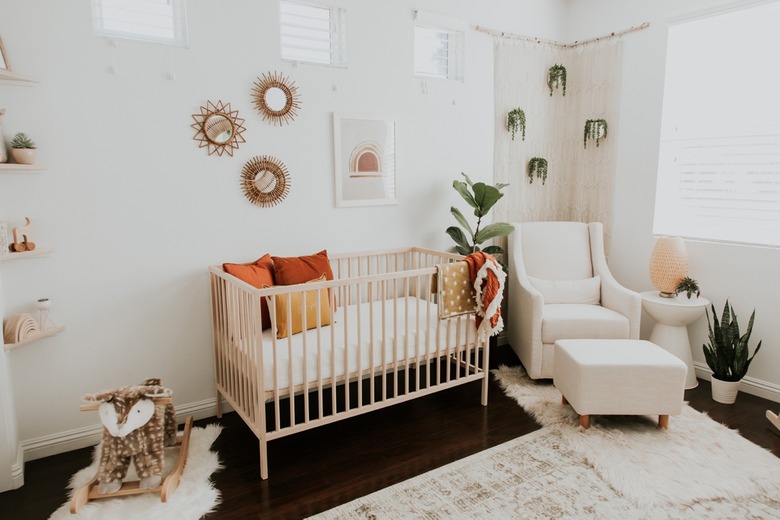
x,y
364,155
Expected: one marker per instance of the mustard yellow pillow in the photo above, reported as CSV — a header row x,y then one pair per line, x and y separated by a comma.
x,y
296,308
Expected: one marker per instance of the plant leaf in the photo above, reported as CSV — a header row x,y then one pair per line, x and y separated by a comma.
x,y
497,229
468,179
485,197
463,189
494,250
461,220
460,239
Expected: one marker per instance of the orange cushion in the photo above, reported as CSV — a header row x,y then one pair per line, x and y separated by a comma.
x,y
257,274
301,269
296,310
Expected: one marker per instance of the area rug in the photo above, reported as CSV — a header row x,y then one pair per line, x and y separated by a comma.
x,y
695,459
621,467
195,496
535,476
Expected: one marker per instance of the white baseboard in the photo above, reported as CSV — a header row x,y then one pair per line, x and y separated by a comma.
x,y
748,385
54,444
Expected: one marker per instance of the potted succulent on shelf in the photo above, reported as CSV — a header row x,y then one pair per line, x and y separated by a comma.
x,y
23,149
727,354
689,286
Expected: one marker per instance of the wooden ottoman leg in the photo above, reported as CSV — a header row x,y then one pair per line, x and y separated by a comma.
x,y
585,421
563,400
663,421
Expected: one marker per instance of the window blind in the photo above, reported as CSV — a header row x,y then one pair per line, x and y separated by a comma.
x,y
438,49
719,155
159,21
313,34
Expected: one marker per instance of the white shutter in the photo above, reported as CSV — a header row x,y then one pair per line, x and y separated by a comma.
x,y
159,21
313,34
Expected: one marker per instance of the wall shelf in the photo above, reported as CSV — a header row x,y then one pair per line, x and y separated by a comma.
x,y
13,167
39,251
40,335
8,76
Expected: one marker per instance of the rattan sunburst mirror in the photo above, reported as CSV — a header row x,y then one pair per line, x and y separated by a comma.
x,y
218,128
276,98
265,181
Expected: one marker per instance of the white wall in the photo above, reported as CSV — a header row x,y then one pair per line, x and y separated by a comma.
x,y
136,211
747,276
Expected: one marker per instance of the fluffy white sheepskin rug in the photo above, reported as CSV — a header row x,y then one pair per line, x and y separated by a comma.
x,y
695,459
194,497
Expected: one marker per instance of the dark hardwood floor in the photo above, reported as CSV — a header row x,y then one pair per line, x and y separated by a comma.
x,y
316,470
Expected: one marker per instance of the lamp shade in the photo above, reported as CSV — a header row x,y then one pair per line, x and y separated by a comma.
x,y
668,264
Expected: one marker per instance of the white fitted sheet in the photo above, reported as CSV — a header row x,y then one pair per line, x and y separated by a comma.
x,y
404,342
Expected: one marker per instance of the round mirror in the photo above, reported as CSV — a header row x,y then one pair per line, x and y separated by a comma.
x,y
218,128
265,181
276,98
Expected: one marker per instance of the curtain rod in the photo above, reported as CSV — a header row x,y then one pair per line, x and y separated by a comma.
x,y
502,34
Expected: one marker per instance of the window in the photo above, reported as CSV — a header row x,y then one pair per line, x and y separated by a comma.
x,y
719,157
313,34
160,21
438,50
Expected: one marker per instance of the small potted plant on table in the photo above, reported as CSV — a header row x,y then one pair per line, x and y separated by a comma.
x,y
727,354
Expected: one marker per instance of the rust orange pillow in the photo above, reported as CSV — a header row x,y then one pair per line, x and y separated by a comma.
x,y
301,269
296,310
258,274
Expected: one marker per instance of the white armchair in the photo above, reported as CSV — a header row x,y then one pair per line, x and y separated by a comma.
x,y
560,287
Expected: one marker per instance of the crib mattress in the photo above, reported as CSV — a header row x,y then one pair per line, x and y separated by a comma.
x,y
420,334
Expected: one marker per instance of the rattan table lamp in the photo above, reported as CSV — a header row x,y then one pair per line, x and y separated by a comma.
x,y
668,265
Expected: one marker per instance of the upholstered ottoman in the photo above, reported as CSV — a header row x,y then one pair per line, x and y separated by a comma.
x,y
619,377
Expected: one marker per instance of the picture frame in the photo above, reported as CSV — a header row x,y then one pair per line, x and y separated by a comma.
x,y
4,65
364,151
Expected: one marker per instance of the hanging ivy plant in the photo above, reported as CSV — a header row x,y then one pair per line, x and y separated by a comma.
x,y
515,121
537,166
556,78
595,129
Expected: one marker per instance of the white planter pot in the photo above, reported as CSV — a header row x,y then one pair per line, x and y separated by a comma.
x,y
23,155
724,391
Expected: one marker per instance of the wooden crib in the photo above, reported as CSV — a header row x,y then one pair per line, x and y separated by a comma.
x,y
386,344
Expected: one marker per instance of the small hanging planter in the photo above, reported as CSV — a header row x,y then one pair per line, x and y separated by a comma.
x,y
515,121
537,166
595,129
556,78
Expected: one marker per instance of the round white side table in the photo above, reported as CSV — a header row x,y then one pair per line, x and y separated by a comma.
x,y
672,317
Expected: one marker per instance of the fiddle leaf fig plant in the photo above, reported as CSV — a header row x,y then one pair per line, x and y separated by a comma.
x,y
515,120
482,197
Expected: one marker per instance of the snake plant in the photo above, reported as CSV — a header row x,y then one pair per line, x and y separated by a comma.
x,y
727,354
